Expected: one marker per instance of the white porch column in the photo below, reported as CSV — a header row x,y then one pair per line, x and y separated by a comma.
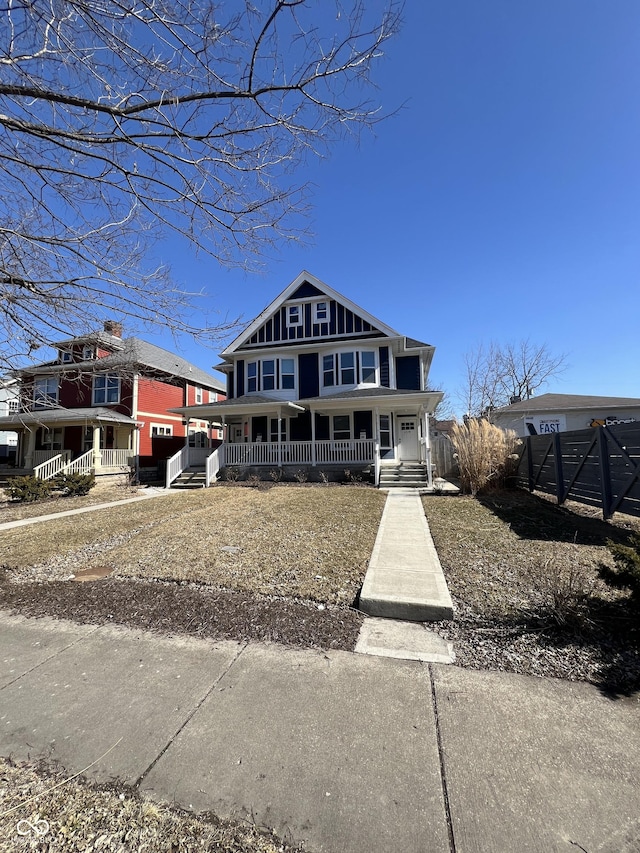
x,y
427,450
97,455
31,447
313,438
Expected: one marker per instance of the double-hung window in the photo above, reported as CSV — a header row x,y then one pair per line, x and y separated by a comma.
x,y
341,427
106,389
252,376
328,371
287,373
199,397
347,368
294,315
368,367
45,392
268,374
321,312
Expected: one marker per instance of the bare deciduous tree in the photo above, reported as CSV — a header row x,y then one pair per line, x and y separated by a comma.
x,y
496,375
120,119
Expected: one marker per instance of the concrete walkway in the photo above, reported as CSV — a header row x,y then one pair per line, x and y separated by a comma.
x,y
404,579
347,753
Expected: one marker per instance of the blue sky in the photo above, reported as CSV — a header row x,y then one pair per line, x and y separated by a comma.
x,y
501,203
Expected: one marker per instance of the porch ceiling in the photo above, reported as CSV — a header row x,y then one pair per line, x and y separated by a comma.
x,y
254,404
53,417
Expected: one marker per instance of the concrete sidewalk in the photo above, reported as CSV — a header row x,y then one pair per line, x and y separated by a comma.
x,y
404,579
348,753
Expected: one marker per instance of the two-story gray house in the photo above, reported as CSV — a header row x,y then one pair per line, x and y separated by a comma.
x,y
316,382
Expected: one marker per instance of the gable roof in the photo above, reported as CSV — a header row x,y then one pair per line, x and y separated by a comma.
x,y
306,286
135,352
564,402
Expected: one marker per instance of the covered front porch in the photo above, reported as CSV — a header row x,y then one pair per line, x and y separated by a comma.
x,y
355,432
57,441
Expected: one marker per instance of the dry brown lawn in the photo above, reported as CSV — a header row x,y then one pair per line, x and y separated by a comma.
x,y
101,493
308,542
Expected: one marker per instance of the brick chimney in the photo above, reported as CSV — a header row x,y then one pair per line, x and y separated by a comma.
x,y
114,328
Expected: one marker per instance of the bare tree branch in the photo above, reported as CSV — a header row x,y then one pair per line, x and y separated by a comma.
x,y
120,119
496,375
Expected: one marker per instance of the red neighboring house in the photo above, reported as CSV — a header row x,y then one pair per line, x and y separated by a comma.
x,y
104,406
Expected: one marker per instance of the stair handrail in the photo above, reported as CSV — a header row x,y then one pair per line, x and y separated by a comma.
x,y
176,464
215,461
49,469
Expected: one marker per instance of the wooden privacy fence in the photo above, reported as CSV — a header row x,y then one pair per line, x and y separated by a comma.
x,y
598,466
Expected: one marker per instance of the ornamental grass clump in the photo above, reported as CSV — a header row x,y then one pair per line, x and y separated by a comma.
x,y
486,454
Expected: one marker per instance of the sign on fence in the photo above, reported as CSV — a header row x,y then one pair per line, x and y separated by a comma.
x,y
600,467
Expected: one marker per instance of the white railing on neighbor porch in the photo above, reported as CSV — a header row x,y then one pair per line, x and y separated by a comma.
x,y
347,451
40,456
176,465
117,458
82,465
50,468
215,461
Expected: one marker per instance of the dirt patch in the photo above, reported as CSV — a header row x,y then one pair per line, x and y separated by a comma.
x,y
522,573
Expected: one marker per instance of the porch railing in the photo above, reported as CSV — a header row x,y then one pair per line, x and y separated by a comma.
x,y
117,458
82,465
50,468
40,456
215,461
341,452
176,465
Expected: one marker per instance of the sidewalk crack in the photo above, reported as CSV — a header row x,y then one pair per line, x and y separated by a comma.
x,y
443,772
189,717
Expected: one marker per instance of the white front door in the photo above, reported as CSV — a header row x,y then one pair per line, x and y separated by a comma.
x,y
407,430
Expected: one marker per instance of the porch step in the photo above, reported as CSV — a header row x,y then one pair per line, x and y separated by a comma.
x,y
404,476
191,478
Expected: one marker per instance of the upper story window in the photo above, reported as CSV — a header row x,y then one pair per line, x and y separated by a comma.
x,y
321,312
294,315
88,353
213,396
199,397
14,405
66,356
350,368
271,374
106,389
45,392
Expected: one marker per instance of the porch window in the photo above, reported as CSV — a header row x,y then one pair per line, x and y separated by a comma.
x,y
273,430
268,375
198,437
287,373
45,393
341,427
347,368
106,389
50,439
385,432
328,371
368,367
252,376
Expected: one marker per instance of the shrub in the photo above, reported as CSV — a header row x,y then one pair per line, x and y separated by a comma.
x,y
253,481
626,573
276,475
301,475
485,454
561,592
29,489
74,485
231,474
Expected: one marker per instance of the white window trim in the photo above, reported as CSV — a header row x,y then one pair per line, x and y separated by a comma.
x,y
277,375
316,318
66,357
336,355
332,425
106,377
300,321
88,353
167,430
43,401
